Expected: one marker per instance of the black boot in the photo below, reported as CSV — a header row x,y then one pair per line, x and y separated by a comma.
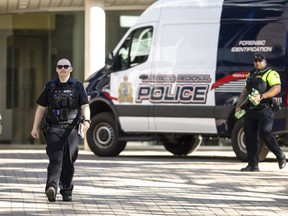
x,y
282,162
250,168
51,194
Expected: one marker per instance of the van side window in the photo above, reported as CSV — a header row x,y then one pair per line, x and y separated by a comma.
x,y
135,49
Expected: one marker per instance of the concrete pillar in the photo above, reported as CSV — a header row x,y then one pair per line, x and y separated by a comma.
x,y
95,26
94,36
78,47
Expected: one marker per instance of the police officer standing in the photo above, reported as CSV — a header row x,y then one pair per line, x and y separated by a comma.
x,y
259,116
65,102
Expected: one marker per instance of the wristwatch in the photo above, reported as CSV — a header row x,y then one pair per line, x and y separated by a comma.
x,y
89,121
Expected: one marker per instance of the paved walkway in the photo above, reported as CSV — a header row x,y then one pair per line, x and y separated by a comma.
x,y
204,183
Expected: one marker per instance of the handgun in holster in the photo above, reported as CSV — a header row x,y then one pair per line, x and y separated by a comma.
x,y
275,105
44,127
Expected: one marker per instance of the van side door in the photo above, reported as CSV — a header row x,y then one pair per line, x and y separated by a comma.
x,y
184,72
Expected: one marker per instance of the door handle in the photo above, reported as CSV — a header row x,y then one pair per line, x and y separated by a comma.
x,y
143,76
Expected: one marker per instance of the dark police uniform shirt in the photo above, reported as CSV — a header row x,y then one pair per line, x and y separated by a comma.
x,y
83,99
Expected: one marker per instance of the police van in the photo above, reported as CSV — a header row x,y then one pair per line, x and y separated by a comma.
x,y
177,74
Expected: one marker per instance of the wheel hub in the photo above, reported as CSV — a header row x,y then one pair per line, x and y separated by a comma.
x,y
104,135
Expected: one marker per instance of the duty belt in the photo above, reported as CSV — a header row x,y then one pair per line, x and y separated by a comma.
x,y
64,126
260,106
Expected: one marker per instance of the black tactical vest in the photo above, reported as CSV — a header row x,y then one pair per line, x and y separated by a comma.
x,y
63,103
255,81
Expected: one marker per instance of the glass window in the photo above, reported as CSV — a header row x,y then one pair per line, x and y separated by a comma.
x,y
32,43
135,49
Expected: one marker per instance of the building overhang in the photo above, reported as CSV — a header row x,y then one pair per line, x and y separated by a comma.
x,y
22,6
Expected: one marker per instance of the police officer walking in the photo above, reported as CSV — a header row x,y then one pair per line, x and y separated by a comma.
x,y
262,84
64,103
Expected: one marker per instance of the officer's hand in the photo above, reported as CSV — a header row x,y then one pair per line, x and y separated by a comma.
x,y
257,98
35,133
86,126
238,109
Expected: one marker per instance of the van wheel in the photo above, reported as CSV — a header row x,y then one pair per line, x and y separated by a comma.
x,y
102,136
239,146
182,145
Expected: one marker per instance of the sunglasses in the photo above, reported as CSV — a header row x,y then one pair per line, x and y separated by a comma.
x,y
258,60
63,66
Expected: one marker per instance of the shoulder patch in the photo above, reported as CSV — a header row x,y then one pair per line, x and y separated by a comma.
x,y
276,75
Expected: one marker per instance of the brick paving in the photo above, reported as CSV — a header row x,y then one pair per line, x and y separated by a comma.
x,y
145,182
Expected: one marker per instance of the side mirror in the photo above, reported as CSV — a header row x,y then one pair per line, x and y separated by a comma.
x,y
109,61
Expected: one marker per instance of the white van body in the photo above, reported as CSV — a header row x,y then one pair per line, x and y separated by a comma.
x,y
175,24
185,67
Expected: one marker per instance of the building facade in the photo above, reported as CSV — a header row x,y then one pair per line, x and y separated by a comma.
x,y
34,34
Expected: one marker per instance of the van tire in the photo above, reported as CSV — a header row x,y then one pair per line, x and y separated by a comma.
x,y
182,145
238,143
102,136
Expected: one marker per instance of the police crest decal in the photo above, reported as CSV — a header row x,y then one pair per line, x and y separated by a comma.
x,y
125,91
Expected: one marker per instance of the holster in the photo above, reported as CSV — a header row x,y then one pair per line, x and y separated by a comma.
x,y
275,106
44,127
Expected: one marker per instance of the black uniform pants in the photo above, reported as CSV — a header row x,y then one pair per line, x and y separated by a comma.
x,y
62,150
260,122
